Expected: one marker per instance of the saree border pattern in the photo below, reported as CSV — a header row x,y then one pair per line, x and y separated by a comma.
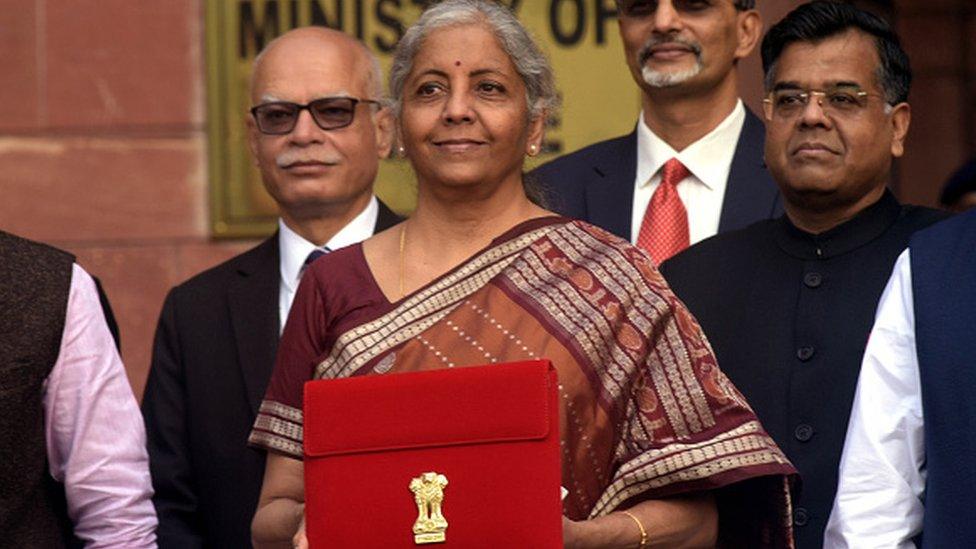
x,y
420,311
677,422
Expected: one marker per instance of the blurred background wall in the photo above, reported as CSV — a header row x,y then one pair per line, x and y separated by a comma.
x,y
103,134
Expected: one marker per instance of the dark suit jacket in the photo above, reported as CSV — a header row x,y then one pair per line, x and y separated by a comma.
x,y
213,355
596,184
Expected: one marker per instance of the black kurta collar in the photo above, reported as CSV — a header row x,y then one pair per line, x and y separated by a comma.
x,y
866,226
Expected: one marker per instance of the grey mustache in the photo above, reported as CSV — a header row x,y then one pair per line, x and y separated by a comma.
x,y
645,52
288,158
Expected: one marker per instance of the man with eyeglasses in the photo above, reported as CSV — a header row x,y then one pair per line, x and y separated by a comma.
x,y
788,304
693,165
317,130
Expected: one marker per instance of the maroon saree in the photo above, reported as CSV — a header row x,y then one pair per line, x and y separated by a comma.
x,y
645,413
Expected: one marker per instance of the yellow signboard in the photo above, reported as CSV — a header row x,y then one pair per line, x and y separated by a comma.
x,y
579,36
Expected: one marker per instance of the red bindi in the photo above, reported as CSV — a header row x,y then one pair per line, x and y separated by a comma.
x,y
457,63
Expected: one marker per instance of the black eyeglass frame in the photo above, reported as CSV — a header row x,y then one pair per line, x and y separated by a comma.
x,y
625,7
354,102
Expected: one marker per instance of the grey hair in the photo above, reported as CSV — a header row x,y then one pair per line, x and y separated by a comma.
x,y
530,63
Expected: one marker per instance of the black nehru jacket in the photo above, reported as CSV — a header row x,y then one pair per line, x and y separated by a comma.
x,y
788,314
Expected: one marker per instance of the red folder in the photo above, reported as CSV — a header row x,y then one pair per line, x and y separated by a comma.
x,y
390,458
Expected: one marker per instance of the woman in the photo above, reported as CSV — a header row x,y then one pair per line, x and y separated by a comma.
x,y
657,441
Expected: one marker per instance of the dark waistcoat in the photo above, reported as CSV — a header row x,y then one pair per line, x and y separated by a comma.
x,y
34,284
944,288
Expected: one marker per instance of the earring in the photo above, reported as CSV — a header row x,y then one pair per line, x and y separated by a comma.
x,y
401,151
533,149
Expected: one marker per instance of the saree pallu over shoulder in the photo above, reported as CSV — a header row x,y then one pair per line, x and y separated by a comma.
x,y
423,309
645,411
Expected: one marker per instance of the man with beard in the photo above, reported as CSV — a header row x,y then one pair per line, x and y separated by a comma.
x,y
693,166
788,303
317,131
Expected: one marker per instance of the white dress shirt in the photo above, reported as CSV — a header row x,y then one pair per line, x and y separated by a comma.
x,y
95,437
294,249
882,471
709,160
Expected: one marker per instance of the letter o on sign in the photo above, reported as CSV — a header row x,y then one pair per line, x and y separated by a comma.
x,y
578,22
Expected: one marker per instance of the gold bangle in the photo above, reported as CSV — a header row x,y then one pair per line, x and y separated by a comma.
x,y
643,540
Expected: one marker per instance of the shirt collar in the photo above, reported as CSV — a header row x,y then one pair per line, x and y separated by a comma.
x,y
869,224
294,248
708,159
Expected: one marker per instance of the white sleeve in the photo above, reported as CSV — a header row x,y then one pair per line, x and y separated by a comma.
x,y
96,440
882,476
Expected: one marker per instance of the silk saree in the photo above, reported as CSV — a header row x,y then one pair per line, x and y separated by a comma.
x,y
645,411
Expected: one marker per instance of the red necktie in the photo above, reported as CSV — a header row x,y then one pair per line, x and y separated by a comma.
x,y
664,230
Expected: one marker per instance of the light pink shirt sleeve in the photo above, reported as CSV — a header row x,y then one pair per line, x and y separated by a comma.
x,y
96,440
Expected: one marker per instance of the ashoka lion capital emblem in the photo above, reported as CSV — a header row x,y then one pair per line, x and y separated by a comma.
x,y
428,492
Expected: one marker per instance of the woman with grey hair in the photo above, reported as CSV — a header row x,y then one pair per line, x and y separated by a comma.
x,y
657,443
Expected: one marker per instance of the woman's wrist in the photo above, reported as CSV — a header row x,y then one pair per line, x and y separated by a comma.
x,y
642,542
621,529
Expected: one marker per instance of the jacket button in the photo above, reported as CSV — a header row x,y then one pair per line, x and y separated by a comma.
x,y
805,353
812,280
803,432
800,516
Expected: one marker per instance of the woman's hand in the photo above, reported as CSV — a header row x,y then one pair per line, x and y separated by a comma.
x,y
280,517
300,541
571,533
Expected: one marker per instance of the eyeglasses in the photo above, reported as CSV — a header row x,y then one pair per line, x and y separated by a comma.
x,y
329,113
643,8
837,101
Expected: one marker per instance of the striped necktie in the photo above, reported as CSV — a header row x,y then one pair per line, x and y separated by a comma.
x,y
312,256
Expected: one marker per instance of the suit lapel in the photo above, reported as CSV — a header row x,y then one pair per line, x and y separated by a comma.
x,y
386,218
610,193
253,301
751,194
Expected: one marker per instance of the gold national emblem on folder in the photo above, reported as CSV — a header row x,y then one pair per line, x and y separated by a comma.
x,y
428,492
